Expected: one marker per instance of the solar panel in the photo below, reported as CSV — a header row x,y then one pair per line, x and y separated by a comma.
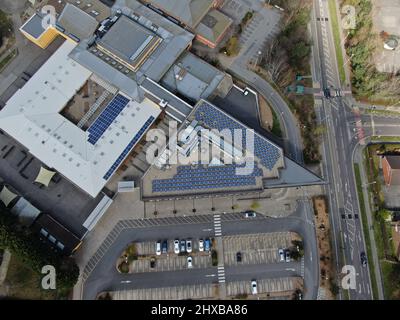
x,y
128,148
109,114
202,177
214,118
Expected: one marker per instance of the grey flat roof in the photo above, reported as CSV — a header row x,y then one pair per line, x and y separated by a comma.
x,y
175,39
293,175
34,26
126,38
77,22
105,71
188,11
199,78
165,95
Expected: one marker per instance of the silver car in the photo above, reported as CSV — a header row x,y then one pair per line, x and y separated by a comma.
x,y
176,246
189,246
189,262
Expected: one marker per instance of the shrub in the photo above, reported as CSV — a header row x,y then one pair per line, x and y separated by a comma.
x,y
35,254
123,267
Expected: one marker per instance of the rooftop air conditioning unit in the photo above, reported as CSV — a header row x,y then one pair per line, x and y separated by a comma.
x,y
163,103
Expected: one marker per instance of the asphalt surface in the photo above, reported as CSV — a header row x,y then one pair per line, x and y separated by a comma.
x,y
105,276
343,135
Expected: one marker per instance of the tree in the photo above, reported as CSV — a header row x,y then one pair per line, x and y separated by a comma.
x,y
35,254
5,26
384,215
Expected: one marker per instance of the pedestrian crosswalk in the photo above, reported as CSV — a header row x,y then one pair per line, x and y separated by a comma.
x,y
217,225
302,267
221,274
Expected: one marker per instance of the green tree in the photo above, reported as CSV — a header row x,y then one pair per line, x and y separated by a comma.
x,y
35,254
5,26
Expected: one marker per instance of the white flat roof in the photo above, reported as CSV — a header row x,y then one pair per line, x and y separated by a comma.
x,y
32,117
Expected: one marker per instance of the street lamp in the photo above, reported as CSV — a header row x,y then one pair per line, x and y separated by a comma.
x,y
367,184
258,57
348,60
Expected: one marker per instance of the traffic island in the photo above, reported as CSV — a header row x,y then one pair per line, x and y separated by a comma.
x,y
328,277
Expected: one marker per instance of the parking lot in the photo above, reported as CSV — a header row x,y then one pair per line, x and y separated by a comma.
x,y
169,261
386,17
281,286
262,27
202,291
255,248
172,262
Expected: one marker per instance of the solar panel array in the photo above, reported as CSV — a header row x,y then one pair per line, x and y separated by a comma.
x,y
215,119
109,114
129,147
206,177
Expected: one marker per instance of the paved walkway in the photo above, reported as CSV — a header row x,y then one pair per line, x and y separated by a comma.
x,y
4,266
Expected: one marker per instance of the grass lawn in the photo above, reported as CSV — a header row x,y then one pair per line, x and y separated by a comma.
x,y
24,283
276,127
7,59
386,138
391,289
336,37
382,112
366,231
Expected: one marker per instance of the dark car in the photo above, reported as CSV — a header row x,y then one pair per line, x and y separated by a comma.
x,y
164,246
239,257
152,262
183,246
363,258
327,93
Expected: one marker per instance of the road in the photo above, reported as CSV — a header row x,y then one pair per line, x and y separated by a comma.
x,y
344,132
105,276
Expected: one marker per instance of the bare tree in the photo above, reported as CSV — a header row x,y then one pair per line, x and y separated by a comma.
x,y
275,62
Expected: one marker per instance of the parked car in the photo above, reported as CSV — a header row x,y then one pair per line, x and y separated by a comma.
x,y
189,262
189,246
207,245
253,287
239,257
363,258
287,256
201,245
176,246
281,255
152,262
245,92
183,246
250,214
164,247
158,248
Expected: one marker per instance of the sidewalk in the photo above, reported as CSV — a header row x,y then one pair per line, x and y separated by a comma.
x,y
4,266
